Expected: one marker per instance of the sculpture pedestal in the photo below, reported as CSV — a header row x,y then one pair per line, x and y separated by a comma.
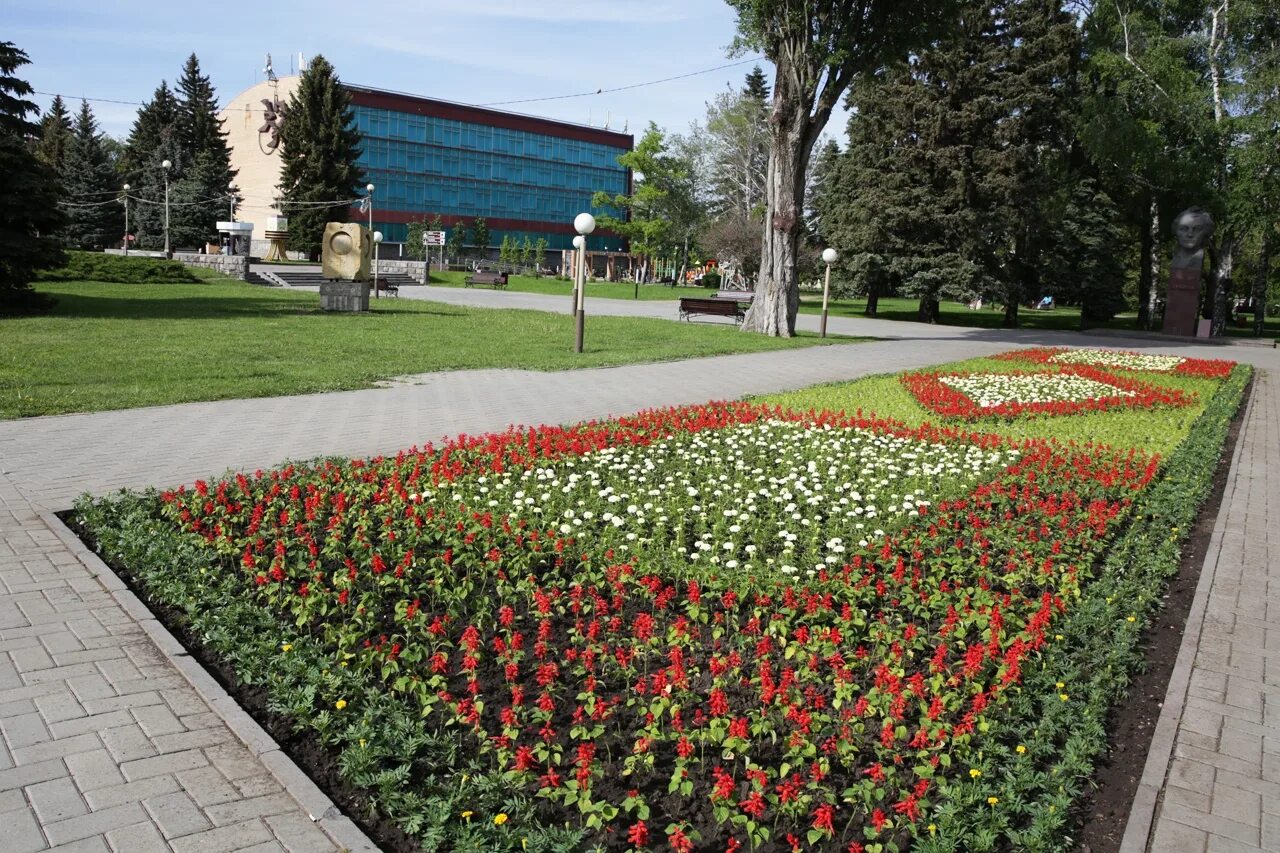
x,y
1182,302
344,296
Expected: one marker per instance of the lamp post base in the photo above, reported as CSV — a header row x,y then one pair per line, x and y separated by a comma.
x,y
578,324
822,327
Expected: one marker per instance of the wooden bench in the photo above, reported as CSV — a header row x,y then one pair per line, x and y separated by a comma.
x,y
493,279
690,305
381,285
739,295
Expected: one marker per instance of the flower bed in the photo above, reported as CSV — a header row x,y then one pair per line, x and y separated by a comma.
x,y
1062,391
718,627
1123,360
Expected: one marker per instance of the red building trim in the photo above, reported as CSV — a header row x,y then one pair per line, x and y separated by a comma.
x,y
450,221
415,105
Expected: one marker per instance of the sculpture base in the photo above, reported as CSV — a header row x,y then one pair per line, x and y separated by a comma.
x,y
1182,302
344,296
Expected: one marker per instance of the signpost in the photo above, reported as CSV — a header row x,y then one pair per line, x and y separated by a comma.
x,y
429,239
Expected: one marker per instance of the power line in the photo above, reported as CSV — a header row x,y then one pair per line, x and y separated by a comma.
x,y
621,88
487,103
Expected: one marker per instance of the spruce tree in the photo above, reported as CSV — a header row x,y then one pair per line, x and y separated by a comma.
x,y
95,220
55,134
154,128
319,148
204,146
147,194
29,192
757,86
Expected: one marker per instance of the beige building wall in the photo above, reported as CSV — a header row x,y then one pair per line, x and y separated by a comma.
x,y
258,173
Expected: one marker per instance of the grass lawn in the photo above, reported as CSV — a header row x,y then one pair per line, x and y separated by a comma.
x,y
604,289
1065,318
112,346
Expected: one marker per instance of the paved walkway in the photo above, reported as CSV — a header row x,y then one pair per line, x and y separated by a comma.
x,y
108,746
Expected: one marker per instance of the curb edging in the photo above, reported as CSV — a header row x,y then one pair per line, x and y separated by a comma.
x,y
319,807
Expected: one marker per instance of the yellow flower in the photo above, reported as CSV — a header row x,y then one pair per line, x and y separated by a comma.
x,y
362,743
991,801
974,773
499,819
340,704
1060,685
1133,618
524,844
932,829
467,815
1022,750
1064,696
1057,636
286,647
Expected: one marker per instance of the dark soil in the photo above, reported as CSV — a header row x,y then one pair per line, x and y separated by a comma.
x,y
1104,811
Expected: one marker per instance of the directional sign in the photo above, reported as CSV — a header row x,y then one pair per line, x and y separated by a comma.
x,y
433,238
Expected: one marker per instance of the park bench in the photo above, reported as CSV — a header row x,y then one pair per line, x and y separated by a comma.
x,y
738,295
493,279
690,305
384,286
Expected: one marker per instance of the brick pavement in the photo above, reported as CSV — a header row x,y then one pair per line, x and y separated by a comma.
x,y
107,745
1213,776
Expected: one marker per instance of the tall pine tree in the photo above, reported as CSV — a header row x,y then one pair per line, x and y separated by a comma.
x,y
153,129
29,192
55,134
319,147
94,218
208,172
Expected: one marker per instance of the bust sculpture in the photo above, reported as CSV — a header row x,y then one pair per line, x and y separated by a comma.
x,y
1192,229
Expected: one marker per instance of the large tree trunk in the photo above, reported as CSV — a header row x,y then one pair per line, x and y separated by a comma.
x,y
1222,284
1010,320
1260,280
928,310
777,294
1148,269
873,298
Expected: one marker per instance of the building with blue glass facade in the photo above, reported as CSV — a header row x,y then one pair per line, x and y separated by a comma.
x,y
526,176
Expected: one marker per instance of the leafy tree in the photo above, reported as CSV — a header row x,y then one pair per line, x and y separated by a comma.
x,y
413,240
663,213
29,193
505,251
818,49
95,219
320,145
736,150
540,253
480,235
456,239
526,252
55,134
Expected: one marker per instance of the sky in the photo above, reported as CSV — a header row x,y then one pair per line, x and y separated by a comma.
x,y
471,51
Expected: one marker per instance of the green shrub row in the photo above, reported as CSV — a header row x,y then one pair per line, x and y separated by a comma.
x,y
117,269
1096,652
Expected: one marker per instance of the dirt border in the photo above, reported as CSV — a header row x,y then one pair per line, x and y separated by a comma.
x,y
1109,810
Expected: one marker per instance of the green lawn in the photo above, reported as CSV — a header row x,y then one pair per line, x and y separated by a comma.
x,y
113,346
1155,430
1066,318
604,289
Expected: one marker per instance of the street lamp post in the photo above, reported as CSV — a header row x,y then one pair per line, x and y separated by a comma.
x,y
369,189
231,196
829,256
579,243
584,224
166,165
125,199
377,241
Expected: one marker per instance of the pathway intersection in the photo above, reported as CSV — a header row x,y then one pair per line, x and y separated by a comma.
x,y
113,740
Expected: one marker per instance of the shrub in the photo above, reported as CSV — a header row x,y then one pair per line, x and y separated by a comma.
x,y
95,266
711,279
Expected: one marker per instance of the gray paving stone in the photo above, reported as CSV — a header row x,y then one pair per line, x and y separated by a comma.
x,y
93,844
262,806
142,837
163,764
94,769
207,786
29,774
296,833
128,743
95,823
22,833
224,839
176,815
131,792
56,800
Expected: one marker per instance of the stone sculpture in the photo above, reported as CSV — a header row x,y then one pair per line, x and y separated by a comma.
x,y
344,259
1192,229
